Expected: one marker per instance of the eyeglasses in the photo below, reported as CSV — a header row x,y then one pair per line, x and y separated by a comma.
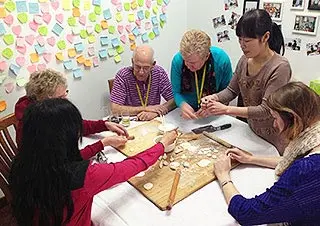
x,y
144,68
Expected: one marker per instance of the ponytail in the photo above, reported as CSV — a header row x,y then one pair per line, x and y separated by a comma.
x,y
276,42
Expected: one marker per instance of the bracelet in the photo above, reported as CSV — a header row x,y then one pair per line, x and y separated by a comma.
x,y
225,183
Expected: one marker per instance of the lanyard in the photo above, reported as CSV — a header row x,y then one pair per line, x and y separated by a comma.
x,y
144,103
199,95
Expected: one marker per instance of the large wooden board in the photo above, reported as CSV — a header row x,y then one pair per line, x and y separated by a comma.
x,y
192,178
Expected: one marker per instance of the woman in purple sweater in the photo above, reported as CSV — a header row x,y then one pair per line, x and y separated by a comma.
x,y
295,197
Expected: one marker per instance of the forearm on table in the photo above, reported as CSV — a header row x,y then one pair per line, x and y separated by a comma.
x,y
226,95
170,104
269,162
118,109
229,190
260,111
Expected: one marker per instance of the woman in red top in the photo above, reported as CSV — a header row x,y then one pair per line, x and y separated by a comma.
x,y
51,184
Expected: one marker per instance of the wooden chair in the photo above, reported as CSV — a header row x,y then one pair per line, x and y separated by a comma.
x,y
8,150
110,82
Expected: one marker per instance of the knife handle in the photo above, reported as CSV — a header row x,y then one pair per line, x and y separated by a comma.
x,y
225,126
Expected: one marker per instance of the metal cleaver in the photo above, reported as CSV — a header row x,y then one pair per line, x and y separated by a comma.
x,y
210,128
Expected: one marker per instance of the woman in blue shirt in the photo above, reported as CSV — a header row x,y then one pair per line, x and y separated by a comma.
x,y
198,70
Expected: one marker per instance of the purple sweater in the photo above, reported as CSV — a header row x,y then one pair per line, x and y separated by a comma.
x,y
294,198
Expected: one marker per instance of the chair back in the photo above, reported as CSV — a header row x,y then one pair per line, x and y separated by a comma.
x,y
8,150
110,82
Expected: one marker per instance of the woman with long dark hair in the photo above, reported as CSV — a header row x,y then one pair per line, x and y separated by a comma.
x,y
260,71
51,183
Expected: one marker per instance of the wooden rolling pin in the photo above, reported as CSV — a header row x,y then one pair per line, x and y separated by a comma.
x,y
173,189
217,139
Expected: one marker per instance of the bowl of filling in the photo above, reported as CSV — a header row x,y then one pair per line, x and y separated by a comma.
x,y
167,127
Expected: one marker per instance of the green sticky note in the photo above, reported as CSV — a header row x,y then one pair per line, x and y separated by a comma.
x,y
162,23
23,18
8,39
92,39
152,35
76,3
7,53
118,17
120,49
72,21
83,34
159,2
111,52
140,2
155,9
117,58
61,44
111,29
97,10
131,17
126,6
10,6
43,30
98,28
147,14
92,17
315,86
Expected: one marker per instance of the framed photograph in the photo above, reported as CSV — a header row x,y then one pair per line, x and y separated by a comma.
x,y
275,10
250,4
306,24
297,4
314,4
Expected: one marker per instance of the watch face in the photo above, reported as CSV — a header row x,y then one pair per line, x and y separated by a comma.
x,y
115,119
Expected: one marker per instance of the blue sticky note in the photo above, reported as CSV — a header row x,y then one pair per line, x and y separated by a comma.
x,y
140,15
77,73
166,2
107,14
33,8
96,2
68,65
2,29
156,31
144,37
21,6
163,17
103,53
39,49
136,31
154,20
79,47
57,29
115,42
104,40
14,69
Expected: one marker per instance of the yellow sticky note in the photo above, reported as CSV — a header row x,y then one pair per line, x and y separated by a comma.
x,y
117,59
66,4
92,39
155,9
133,46
76,12
126,6
134,5
88,63
3,105
87,5
104,24
2,1
72,52
34,58
131,37
43,1
59,56
118,17
3,12
80,59
131,17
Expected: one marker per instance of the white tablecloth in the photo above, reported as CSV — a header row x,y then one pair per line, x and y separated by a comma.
x,y
124,205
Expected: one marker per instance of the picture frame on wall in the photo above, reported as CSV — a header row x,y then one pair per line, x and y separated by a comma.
x,y
306,24
274,8
314,5
298,4
250,4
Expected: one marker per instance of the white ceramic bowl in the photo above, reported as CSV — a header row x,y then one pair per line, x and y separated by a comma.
x,y
167,127
169,148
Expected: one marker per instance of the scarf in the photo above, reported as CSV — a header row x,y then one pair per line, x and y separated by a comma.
x,y
299,147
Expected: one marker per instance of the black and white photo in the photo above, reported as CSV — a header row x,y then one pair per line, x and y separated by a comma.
x,y
219,21
314,4
306,24
249,5
293,44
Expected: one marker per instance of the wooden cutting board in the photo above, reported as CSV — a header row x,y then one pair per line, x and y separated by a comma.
x,y
192,178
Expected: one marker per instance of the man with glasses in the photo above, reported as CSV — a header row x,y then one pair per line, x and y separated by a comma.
x,y
138,89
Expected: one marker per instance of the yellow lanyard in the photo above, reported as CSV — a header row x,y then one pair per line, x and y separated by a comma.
x,y
199,95
144,103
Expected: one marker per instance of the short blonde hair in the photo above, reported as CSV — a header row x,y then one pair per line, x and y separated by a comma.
x,y
43,84
195,41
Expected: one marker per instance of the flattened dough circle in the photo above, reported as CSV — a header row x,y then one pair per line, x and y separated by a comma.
x,y
148,186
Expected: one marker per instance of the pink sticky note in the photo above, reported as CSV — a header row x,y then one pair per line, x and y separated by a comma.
x,y
33,25
55,5
138,22
8,19
37,19
91,51
164,9
40,40
16,30
32,68
20,61
119,7
42,67
22,49
46,18
115,2
19,41
70,38
47,57
120,29
82,20
147,25
123,39
95,61
128,28
59,18
3,66
9,87
29,39
51,41
44,7
148,3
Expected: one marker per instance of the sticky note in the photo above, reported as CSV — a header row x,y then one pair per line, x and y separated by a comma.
x,y
95,61
2,29
166,2
111,29
70,38
131,17
57,29
154,20
79,47
66,4
76,3
72,53
104,40
111,52
147,14
68,65
76,12
126,6
10,5
89,29
3,66
156,31
118,17
19,42
162,24
21,6
88,63
75,30
77,73
20,61
163,17
104,24
151,35
80,59
8,39
72,21
107,14
82,20
131,37
59,56
115,42
147,25
83,34
44,7
140,3
43,30
31,68
9,87
140,15
92,17
134,5
34,58
14,69
103,53
40,40
97,10
123,39
87,5
136,31
159,2
96,2
3,12
98,28
117,59
39,49
47,57
3,105
23,18
34,8
91,51
61,44
144,37
91,39
21,81
120,49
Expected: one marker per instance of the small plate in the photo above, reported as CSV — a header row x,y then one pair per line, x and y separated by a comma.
x,y
166,127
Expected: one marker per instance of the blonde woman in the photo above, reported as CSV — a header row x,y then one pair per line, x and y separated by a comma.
x,y
198,70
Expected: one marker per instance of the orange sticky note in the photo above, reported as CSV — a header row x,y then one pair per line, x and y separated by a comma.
x,y
2,1
3,12
72,52
3,105
88,63
76,12
80,59
34,58
133,46
104,24
59,56
131,37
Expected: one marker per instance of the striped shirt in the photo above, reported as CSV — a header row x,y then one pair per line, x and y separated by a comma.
x,y
124,91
